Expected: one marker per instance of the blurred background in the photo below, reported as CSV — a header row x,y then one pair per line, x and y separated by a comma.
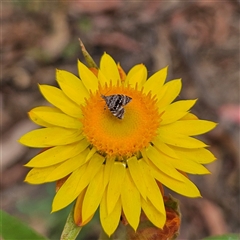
x,y
199,40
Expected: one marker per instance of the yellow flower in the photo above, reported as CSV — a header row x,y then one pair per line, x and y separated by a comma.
x,y
116,164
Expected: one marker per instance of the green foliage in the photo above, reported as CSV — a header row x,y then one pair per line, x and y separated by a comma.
x,y
13,228
224,237
39,206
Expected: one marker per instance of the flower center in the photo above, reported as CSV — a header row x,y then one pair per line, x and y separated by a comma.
x,y
120,137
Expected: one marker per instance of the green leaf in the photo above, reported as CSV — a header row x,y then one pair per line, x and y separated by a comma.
x,y
224,237
13,228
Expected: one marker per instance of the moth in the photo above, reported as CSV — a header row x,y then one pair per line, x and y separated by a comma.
x,y
116,103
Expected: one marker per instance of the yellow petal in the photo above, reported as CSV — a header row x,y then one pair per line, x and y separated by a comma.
x,y
181,106
185,188
179,140
153,192
47,137
189,127
77,181
176,111
131,203
133,71
161,94
115,184
138,78
108,169
156,217
102,79
110,221
137,176
70,190
156,158
121,72
78,208
33,116
91,153
159,144
58,119
93,195
189,166
173,89
72,86
57,154
57,98
155,82
182,164
39,175
190,116
109,69
88,78
68,166
93,167
199,155
171,116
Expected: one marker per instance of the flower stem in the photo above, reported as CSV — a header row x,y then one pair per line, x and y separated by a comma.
x,y
70,230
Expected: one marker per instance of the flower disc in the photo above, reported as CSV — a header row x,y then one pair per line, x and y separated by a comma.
x,y
120,137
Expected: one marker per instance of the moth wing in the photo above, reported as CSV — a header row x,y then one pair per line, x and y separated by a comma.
x,y
126,100
119,114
